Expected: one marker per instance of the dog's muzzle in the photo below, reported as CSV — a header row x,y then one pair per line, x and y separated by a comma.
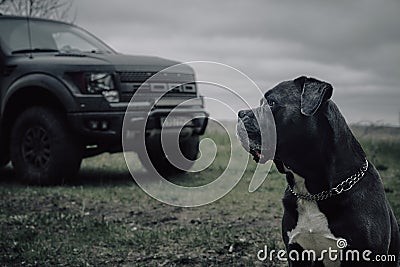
x,y
250,134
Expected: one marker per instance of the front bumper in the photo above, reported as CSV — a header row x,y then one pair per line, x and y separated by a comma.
x,y
105,129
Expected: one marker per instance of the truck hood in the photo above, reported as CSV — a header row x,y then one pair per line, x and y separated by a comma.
x,y
142,63
117,62
129,60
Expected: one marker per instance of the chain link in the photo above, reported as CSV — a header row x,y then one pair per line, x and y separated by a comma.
x,y
344,186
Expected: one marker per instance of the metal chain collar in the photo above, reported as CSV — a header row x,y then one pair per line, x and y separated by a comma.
x,y
344,186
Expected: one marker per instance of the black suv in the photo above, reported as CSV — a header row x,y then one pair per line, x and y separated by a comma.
x,y
64,94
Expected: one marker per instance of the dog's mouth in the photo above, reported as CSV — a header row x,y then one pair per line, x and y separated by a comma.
x,y
258,155
255,150
252,147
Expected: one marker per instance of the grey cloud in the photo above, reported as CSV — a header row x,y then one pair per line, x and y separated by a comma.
x,y
355,45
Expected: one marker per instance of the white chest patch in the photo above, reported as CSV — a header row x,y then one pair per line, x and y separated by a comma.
x,y
312,231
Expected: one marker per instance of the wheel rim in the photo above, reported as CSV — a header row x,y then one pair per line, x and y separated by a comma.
x,y
36,147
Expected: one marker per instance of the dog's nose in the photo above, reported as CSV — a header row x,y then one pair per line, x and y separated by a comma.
x,y
241,114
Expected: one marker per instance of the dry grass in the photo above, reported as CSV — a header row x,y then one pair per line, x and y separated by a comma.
x,y
102,218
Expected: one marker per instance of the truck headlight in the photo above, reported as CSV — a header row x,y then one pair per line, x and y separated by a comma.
x,y
102,83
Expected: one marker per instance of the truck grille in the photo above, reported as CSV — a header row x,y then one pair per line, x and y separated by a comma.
x,y
176,84
134,76
164,77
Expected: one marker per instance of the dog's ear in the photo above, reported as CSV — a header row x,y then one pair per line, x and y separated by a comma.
x,y
314,93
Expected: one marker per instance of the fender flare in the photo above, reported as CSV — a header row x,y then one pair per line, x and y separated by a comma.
x,y
46,82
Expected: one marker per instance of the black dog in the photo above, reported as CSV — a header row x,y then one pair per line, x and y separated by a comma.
x,y
334,194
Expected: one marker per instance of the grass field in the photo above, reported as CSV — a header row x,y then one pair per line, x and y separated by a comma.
x,y
102,218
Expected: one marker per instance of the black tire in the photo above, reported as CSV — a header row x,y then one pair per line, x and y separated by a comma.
x,y
43,150
188,146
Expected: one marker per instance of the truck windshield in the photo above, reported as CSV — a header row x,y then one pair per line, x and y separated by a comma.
x,y
48,36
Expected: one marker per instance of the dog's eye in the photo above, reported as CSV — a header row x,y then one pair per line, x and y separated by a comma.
x,y
270,102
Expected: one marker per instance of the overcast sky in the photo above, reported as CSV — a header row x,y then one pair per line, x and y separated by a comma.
x,y
354,45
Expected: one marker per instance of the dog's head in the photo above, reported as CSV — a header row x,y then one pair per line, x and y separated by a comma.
x,y
295,107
